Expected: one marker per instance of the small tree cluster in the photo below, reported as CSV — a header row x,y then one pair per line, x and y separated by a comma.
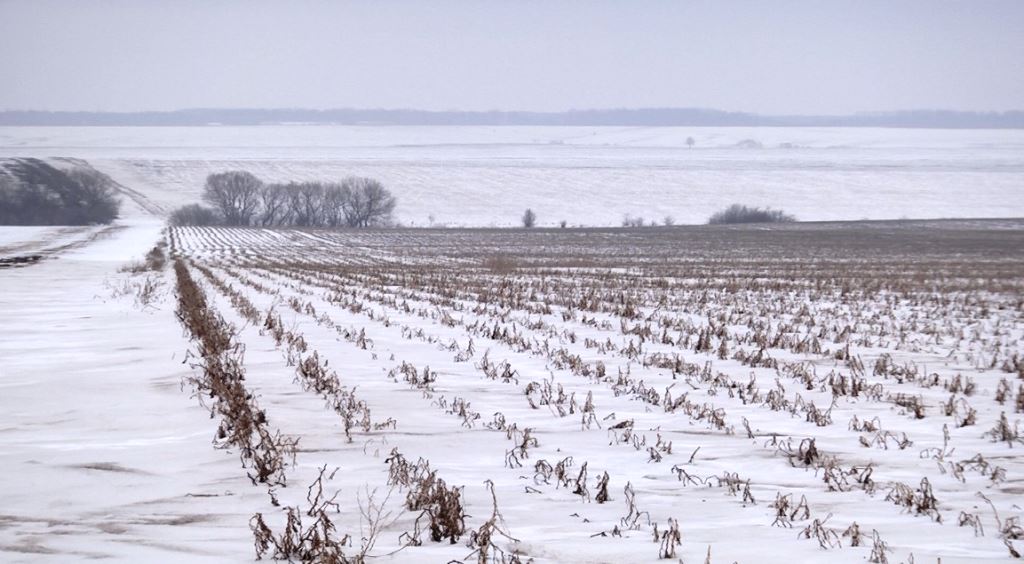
x,y
739,213
630,221
37,193
194,214
239,198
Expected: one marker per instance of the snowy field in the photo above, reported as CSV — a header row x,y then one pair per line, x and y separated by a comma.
x,y
46,240
842,382
483,176
797,388
841,392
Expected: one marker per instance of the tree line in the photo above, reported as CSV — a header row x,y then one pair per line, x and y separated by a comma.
x,y
34,192
239,198
734,214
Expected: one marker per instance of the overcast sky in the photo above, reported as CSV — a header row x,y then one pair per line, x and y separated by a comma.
x,y
795,57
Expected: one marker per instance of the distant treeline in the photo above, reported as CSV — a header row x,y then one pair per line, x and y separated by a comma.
x,y
694,117
34,192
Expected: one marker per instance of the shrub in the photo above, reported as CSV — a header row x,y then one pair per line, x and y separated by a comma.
x,y
529,218
37,193
739,213
194,214
630,221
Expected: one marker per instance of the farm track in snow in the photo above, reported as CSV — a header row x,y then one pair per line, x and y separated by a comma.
x,y
627,395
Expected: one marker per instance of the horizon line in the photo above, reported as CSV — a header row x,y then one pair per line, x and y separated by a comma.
x,y
521,111
609,117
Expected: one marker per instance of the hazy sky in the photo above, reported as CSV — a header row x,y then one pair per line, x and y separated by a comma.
x,y
760,56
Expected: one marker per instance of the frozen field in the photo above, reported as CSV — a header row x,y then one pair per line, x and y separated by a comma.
x,y
482,176
808,388
841,392
823,392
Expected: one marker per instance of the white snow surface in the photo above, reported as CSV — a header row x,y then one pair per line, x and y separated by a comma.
x,y
104,454
28,240
484,176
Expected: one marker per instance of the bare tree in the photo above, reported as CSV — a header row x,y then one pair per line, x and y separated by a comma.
x,y
690,142
335,196
274,208
379,204
529,218
293,201
366,202
236,194
306,202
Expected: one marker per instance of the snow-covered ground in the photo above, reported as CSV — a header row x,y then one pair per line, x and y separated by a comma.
x,y
366,304
102,453
46,240
483,176
106,452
